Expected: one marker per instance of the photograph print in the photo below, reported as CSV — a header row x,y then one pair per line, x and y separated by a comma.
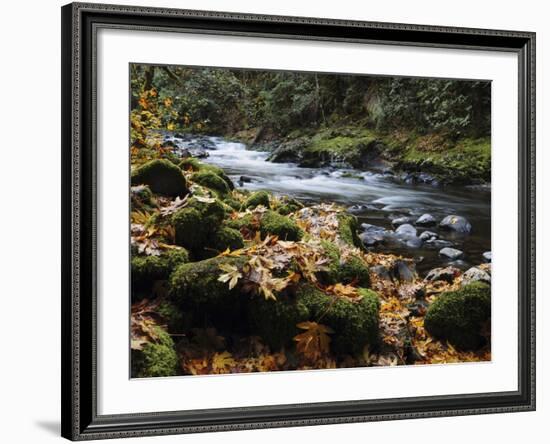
x,y
285,220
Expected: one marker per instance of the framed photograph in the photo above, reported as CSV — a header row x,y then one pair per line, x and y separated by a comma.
x,y
281,221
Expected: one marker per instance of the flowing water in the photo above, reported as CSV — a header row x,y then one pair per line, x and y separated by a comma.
x,y
383,197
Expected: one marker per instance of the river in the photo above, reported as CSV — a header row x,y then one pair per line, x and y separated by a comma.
x,y
378,198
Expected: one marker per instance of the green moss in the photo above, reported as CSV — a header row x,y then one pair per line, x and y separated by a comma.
x,y
162,177
355,324
288,205
255,199
196,222
141,198
457,316
233,203
156,359
176,320
145,270
195,286
211,181
193,164
347,229
281,226
225,238
459,162
352,269
239,223
275,321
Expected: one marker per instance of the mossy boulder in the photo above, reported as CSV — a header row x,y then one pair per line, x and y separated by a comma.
x,y
275,321
211,181
281,226
288,205
162,177
146,270
458,316
269,222
196,222
176,320
156,358
195,286
141,198
255,199
355,324
347,229
225,238
347,270
193,164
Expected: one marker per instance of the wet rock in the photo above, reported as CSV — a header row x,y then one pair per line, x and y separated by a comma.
x,y
426,220
381,271
487,256
402,272
447,274
413,242
371,238
462,265
356,209
406,229
401,221
475,274
437,244
457,224
428,236
245,179
451,253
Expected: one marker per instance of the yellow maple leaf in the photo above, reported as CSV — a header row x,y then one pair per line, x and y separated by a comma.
x,y
314,342
222,362
232,274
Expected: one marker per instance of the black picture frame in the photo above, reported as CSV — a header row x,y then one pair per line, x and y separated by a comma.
x,y
80,420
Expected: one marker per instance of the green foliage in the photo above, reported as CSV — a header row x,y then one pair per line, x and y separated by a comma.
x,y
145,270
355,324
157,358
196,222
288,205
141,198
275,321
457,316
351,269
162,177
255,199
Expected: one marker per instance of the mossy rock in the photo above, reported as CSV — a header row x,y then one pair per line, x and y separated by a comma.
x,y
141,198
157,358
255,199
225,238
352,269
275,321
146,270
177,321
270,222
211,181
457,316
196,222
233,203
193,164
195,286
355,324
289,205
281,226
162,177
347,229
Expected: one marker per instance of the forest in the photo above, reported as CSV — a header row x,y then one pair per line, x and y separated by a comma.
x,y
298,221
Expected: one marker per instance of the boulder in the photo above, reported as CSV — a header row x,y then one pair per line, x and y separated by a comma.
x,y
475,274
156,359
406,229
428,236
447,274
458,316
451,253
402,272
382,272
487,256
255,199
162,177
437,244
348,269
457,224
401,220
426,220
